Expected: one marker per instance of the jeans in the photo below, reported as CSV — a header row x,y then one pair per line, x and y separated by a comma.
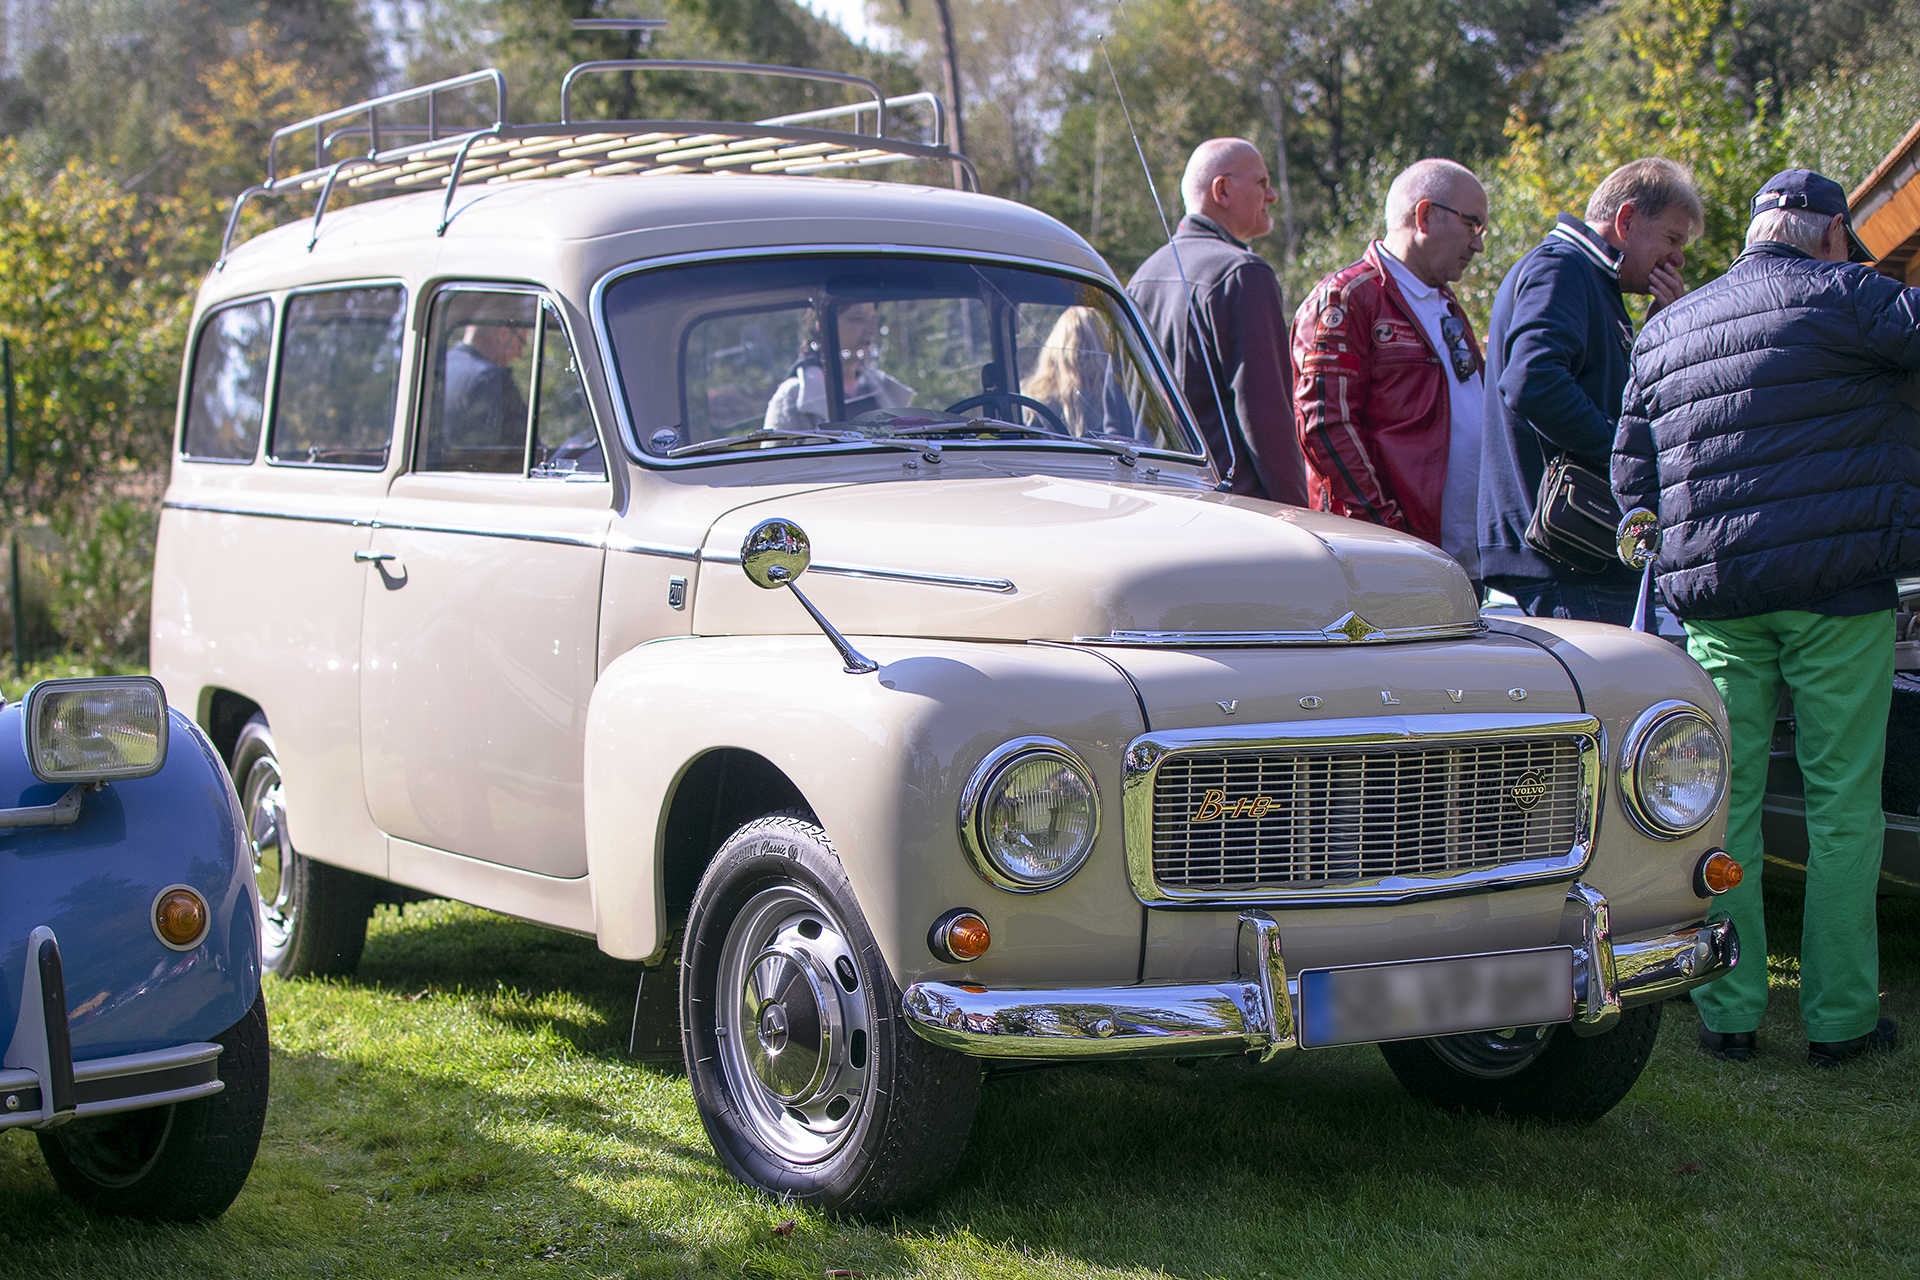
x,y
1564,598
1841,674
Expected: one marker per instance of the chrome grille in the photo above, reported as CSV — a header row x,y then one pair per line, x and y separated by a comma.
x,y
1233,823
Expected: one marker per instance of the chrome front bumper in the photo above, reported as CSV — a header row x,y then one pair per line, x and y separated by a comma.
x,y
42,1086
1256,1010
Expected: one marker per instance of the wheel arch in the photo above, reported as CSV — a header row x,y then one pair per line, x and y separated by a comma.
x,y
223,713
718,791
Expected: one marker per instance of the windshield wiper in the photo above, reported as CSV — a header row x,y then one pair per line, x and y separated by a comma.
x,y
786,435
1127,453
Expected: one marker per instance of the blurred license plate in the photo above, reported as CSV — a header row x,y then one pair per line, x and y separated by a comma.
x,y
1368,1003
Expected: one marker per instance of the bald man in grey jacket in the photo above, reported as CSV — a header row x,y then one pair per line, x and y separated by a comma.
x,y
1215,308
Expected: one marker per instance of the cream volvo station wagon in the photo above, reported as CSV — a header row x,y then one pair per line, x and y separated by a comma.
x,y
482,563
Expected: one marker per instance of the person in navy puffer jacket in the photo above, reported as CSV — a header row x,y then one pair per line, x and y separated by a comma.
x,y
1772,422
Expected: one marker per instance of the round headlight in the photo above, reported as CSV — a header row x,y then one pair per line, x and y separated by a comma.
x,y
1674,771
1029,815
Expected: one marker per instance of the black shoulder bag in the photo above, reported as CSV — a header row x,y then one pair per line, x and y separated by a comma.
x,y
1575,520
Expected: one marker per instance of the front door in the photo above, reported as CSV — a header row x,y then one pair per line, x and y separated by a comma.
x,y
483,595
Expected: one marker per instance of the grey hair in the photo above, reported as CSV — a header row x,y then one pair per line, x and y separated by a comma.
x,y
1651,185
1210,160
1801,228
1432,179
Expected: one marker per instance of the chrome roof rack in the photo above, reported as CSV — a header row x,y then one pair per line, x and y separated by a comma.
x,y
419,157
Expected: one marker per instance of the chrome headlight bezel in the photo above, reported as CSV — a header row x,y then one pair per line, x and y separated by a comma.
x,y
46,697
1633,767
979,789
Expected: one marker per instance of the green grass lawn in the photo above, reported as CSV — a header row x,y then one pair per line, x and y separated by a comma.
x,y
466,1106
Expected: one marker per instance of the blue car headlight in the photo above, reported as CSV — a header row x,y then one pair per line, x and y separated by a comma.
x,y
96,729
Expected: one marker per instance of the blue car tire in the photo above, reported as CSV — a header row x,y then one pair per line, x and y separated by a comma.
x,y
313,917
179,1163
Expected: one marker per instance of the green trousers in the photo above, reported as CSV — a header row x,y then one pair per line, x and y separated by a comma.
x,y
1841,673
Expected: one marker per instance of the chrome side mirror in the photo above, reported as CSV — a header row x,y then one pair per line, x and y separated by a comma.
x,y
775,554
1639,535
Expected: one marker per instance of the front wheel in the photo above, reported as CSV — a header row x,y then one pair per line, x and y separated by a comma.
x,y
1537,1073
808,1079
179,1163
313,917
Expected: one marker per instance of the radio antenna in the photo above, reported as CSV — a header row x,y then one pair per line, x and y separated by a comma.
x,y
1186,287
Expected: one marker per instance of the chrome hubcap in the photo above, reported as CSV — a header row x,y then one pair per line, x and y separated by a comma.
x,y
793,1024
272,854
1493,1055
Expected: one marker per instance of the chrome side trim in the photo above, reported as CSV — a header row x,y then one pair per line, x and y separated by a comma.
x,y
595,541
1234,1015
1339,632
1001,585
218,509
1237,1014
634,547
1145,755
473,531
1636,737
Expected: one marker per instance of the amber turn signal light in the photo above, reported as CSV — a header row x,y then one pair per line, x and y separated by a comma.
x,y
180,917
1716,874
959,936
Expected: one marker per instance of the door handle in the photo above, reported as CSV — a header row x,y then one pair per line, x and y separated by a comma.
x,y
373,557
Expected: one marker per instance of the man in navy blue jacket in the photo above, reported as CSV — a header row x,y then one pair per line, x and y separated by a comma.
x,y
1771,425
1556,354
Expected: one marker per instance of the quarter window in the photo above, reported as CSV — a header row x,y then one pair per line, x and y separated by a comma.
x,y
504,396
339,377
227,398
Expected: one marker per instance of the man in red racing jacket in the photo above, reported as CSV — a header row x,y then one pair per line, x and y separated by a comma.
x,y
1387,370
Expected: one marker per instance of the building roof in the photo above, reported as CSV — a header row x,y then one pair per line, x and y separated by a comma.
x,y
1886,207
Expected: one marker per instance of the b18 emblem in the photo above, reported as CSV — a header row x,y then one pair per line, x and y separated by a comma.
x,y
1214,806
1529,790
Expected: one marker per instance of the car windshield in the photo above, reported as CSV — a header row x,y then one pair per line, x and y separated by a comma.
x,y
801,352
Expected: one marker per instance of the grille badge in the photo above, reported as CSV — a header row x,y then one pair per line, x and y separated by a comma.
x,y
1529,790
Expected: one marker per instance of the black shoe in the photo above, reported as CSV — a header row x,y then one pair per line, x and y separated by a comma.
x,y
1729,1046
1831,1053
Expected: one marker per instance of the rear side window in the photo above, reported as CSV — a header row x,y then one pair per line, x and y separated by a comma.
x,y
339,377
227,400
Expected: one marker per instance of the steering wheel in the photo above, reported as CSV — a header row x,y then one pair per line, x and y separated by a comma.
x,y
1053,420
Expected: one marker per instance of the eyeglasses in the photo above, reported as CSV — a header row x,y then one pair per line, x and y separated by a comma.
x,y
1454,330
1476,225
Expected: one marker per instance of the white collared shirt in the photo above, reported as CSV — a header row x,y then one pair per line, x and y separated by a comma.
x,y
1459,499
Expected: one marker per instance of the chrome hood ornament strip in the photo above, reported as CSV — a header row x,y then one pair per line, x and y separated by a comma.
x,y
1350,628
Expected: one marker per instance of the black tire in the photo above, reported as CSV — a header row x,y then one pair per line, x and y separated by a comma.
x,y
817,1090
1556,1076
181,1163
313,917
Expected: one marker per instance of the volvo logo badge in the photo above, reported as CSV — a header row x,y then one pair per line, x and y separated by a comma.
x,y
1528,791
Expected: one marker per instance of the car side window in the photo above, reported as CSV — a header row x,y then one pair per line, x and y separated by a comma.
x,y
565,444
339,377
227,399
480,375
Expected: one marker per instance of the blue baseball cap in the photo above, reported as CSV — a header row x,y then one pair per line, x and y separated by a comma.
x,y
1805,189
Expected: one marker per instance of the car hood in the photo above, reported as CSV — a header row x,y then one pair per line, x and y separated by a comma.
x,y
1048,558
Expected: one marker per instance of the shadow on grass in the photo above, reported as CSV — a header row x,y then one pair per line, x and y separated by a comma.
x,y
1316,1165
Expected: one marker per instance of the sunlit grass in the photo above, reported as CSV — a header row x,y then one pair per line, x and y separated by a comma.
x,y
465,1105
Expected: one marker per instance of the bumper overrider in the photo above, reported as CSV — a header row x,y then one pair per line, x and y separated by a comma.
x,y
41,1086
1258,1008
